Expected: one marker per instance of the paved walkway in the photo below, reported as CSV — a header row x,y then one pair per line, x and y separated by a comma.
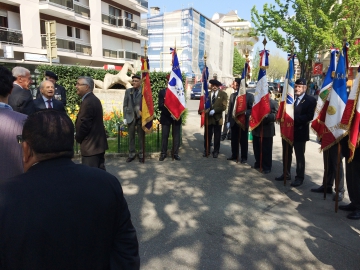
x,y
206,213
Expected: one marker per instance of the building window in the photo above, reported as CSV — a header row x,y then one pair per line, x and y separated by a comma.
x,y
42,27
69,31
114,11
109,53
128,15
3,18
77,33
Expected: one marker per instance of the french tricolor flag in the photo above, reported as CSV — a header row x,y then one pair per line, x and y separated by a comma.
x,y
285,115
261,105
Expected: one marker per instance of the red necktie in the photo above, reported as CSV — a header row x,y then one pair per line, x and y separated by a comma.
x,y
49,104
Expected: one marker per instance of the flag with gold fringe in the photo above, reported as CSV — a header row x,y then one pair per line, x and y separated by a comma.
x,y
147,104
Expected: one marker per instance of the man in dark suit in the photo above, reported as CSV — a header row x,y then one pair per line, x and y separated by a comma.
x,y
60,91
267,128
68,216
21,99
90,130
304,108
218,100
236,129
167,120
46,99
132,117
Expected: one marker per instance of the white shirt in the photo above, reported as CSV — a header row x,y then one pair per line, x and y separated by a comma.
x,y
46,103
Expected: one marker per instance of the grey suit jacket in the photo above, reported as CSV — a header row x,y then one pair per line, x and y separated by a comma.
x,y
132,112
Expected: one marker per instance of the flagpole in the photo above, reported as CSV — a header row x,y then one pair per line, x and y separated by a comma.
x,y
145,54
326,169
262,127
337,178
206,118
172,128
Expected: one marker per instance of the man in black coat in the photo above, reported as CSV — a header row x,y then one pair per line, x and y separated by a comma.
x,y
60,91
21,99
90,130
68,216
46,99
267,128
304,108
235,128
167,120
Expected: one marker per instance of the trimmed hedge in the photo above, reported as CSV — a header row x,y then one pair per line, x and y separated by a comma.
x,y
68,76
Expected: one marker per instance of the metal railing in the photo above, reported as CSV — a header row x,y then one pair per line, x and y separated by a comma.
x,y
68,4
82,10
144,31
78,8
120,22
121,54
143,3
69,45
11,36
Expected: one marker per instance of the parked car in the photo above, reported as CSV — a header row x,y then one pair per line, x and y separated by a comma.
x,y
274,87
251,84
280,87
195,91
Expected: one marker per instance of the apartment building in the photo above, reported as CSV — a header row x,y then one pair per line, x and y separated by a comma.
x,y
194,35
88,32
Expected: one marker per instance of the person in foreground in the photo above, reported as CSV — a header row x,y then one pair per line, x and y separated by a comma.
x,y
68,216
46,100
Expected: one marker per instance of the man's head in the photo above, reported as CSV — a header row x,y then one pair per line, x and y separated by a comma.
x,y
47,89
6,82
46,135
136,81
215,85
235,85
84,85
51,76
300,87
23,77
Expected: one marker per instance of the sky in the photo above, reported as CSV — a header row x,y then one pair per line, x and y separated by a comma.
x,y
208,8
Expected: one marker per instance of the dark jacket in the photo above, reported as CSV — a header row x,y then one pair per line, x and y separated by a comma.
x,y
40,104
165,115
60,93
249,104
268,123
68,216
89,125
219,106
303,115
21,100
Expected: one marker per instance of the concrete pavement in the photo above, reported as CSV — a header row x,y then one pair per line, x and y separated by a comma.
x,y
206,213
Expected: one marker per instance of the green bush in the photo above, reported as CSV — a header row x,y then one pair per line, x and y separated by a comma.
x,y
68,76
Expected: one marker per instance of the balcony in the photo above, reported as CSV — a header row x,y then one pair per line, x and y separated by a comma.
x,y
143,3
121,54
69,5
69,45
122,22
11,36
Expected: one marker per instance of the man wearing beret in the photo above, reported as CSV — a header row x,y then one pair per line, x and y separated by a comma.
x,y
218,101
60,91
304,108
132,117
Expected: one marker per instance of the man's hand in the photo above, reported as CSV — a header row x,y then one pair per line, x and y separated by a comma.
x,y
228,125
124,121
211,113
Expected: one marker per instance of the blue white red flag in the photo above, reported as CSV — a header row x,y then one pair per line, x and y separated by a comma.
x,y
261,105
175,95
285,115
204,98
264,59
333,133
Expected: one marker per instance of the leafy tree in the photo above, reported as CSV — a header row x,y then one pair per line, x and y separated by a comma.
x,y
310,28
277,67
255,65
238,63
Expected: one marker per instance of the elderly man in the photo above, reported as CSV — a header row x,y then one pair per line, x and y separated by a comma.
x,y
132,117
60,91
21,99
304,108
46,99
11,126
68,216
90,130
229,90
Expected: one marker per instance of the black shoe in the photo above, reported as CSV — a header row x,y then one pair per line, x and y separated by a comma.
x,y
243,161
354,215
297,183
347,207
176,157
266,171
223,137
341,196
281,178
204,154
231,158
129,159
215,155
321,190
255,166
141,160
162,157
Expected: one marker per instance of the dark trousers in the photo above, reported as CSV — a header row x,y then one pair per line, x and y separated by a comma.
x,y
135,126
299,148
97,161
225,129
216,130
265,149
235,129
352,181
330,157
165,137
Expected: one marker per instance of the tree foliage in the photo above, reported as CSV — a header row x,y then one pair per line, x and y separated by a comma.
x,y
238,63
278,66
255,65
